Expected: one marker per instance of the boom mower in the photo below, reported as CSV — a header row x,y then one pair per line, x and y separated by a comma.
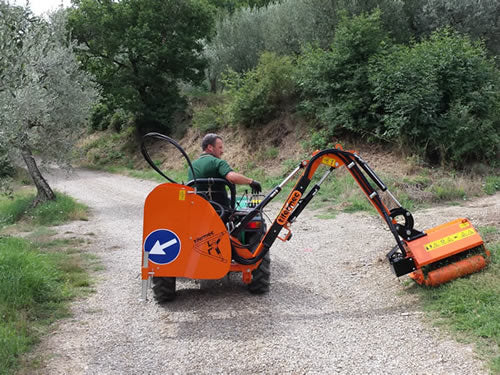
x,y
188,234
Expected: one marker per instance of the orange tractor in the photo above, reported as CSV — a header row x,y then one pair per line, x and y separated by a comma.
x,y
187,234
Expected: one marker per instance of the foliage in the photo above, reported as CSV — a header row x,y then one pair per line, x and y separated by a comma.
x,y
257,93
286,26
45,98
440,96
110,148
334,83
281,27
6,167
231,5
475,18
99,120
209,119
396,16
139,50
291,24
121,120
237,43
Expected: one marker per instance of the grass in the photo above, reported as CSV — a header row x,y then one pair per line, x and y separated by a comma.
x,y
492,184
63,209
470,307
39,275
36,282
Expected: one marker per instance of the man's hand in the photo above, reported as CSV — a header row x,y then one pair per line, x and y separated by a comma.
x,y
256,188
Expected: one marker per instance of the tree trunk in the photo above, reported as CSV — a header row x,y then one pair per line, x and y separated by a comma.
x,y
44,192
213,85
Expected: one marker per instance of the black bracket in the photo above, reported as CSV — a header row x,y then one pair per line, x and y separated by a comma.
x,y
405,230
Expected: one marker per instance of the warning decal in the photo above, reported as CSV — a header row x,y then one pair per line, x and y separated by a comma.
x,y
329,161
208,245
450,239
182,195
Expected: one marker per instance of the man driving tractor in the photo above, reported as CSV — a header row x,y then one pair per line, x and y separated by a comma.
x,y
210,165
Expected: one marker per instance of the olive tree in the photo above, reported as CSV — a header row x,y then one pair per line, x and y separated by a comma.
x,y
45,97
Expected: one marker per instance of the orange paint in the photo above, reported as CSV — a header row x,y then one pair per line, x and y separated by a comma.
x,y
444,241
205,249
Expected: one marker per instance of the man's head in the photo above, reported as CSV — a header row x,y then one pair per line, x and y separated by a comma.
x,y
212,144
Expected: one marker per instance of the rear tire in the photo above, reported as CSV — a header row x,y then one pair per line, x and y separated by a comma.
x,y
261,276
164,288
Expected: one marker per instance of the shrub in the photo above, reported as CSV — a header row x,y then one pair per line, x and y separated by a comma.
x,y
440,97
99,120
211,117
334,84
259,92
120,120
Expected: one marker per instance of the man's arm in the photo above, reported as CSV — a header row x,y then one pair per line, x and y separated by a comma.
x,y
237,178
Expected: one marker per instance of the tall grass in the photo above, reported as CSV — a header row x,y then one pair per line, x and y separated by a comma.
x,y
36,281
12,210
33,288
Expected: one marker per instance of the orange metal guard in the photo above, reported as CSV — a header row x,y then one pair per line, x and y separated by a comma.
x,y
183,236
443,242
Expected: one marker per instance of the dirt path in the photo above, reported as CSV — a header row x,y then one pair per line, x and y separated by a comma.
x,y
334,307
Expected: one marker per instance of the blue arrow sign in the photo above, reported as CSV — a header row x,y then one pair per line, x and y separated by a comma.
x,y
163,246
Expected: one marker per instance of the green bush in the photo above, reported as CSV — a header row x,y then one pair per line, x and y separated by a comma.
x,y
441,97
334,83
120,120
100,117
257,94
209,119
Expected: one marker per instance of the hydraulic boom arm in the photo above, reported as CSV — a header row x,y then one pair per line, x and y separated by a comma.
x,y
297,200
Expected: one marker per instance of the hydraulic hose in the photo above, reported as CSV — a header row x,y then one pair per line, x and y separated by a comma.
x,y
163,137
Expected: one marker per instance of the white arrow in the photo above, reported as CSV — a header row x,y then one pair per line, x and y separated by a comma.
x,y
157,249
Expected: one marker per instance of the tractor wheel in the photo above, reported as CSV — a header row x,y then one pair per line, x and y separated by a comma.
x,y
164,288
261,276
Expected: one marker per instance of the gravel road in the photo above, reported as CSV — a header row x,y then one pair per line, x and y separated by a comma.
x,y
334,305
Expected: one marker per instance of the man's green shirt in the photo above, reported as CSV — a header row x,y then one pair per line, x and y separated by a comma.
x,y
207,166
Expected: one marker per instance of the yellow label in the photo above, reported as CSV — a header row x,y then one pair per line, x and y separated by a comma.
x,y
182,195
464,225
330,161
450,239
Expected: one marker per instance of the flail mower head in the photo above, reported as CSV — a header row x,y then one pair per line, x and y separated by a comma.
x,y
188,234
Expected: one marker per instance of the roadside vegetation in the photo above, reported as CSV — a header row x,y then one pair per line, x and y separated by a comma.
x,y
39,273
470,307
